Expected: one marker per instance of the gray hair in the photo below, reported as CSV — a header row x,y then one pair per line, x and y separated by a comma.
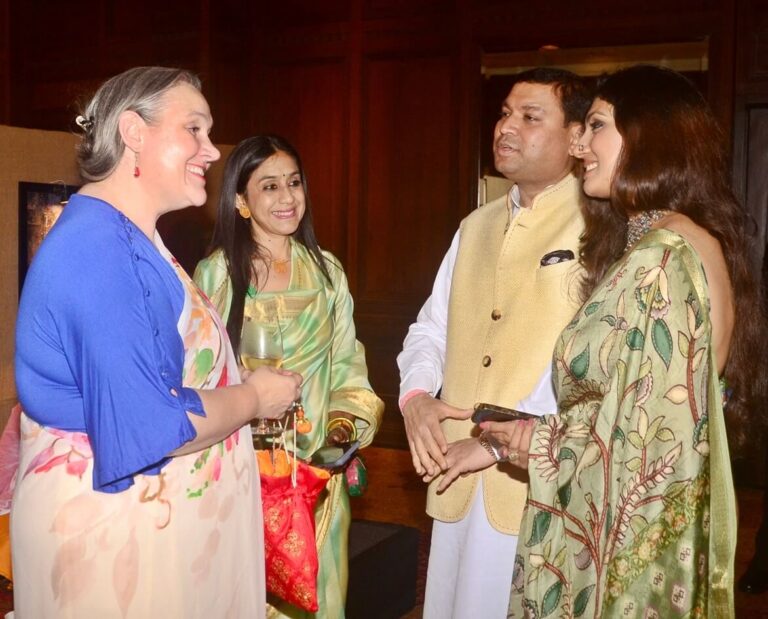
x,y
139,90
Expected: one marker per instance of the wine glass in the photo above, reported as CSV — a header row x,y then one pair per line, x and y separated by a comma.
x,y
262,344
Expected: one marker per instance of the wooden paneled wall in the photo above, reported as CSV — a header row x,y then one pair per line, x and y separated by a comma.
x,y
60,51
381,97
751,114
750,166
370,93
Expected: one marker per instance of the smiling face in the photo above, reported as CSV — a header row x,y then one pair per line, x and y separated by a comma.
x,y
530,145
599,148
275,198
176,150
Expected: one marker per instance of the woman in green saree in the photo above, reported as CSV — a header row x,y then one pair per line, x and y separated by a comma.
x,y
266,266
631,508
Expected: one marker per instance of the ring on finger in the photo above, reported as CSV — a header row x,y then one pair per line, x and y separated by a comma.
x,y
513,455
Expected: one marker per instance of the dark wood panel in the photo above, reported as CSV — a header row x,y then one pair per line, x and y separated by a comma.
x,y
750,161
5,62
373,9
62,50
752,23
301,12
408,206
563,9
750,164
304,43
517,27
225,73
307,104
756,178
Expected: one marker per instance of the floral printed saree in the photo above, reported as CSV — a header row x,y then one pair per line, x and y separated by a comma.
x,y
631,508
184,543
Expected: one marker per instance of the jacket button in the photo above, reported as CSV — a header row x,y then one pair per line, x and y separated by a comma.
x,y
486,361
495,314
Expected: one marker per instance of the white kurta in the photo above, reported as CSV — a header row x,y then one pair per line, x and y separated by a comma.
x,y
470,562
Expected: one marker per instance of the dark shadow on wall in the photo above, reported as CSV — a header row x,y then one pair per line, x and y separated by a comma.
x,y
186,234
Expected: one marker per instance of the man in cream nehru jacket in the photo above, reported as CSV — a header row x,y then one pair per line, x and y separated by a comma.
x,y
504,291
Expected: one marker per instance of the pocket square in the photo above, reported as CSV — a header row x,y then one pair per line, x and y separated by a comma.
x,y
556,257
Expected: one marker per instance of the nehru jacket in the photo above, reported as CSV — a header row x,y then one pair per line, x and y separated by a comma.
x,y
505,312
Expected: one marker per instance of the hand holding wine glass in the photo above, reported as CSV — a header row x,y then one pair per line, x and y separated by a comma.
x,y
275,391
261,345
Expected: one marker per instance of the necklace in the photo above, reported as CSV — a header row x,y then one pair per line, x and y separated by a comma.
x,y
638,224
280,266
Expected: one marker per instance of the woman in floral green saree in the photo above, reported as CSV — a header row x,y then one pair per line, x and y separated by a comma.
x,y
631,509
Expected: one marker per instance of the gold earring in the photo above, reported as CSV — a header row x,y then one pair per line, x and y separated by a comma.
x,y
242,207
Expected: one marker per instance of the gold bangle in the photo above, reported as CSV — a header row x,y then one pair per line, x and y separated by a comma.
x,y
342,422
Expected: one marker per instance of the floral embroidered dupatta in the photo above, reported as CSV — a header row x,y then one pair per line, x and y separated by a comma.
x,y
631,507
184,543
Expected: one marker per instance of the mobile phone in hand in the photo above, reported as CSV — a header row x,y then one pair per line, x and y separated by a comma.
x,y
334,456
491,412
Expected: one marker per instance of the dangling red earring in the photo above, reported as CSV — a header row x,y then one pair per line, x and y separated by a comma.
x,y
136,170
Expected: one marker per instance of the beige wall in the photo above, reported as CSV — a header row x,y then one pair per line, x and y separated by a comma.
x,y
40,157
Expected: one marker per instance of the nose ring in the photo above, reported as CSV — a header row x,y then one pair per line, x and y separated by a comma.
x,y
581,148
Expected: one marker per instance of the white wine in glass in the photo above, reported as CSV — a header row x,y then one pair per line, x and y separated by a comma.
x,y
262,345
252,363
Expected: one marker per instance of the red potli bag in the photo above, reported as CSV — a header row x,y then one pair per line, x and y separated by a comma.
x,y
289,491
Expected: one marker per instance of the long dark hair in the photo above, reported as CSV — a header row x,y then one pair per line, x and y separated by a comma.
x,y
232,233
674,157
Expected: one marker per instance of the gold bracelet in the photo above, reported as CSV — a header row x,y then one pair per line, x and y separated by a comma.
x,y
342,422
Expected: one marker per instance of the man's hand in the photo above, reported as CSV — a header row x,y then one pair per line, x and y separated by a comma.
x,y
423,414
465,456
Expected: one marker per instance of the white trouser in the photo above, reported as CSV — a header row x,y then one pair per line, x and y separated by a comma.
x,y
470,567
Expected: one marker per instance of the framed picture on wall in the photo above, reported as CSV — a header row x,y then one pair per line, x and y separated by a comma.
x,y
40,205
